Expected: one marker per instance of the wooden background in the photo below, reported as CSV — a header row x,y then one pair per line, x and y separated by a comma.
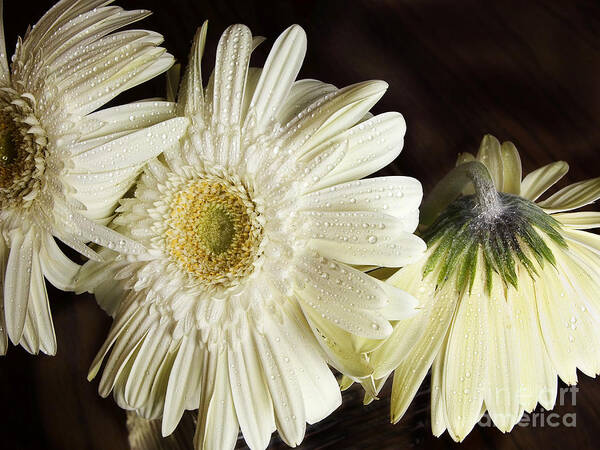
x,y
522,70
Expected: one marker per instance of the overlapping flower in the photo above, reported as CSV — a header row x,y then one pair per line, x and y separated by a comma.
x,y
63,167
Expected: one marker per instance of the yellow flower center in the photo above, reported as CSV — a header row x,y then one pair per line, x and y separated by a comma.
x,y
11,157
213,233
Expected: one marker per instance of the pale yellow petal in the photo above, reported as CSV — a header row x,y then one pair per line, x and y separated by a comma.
x,y
573,196
490,155
540,180
511,164
502,396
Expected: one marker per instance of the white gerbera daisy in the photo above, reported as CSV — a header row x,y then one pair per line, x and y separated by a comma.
x,y
251,224
509,287
63,167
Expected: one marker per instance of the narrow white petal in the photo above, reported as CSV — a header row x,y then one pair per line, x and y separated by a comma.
x,y
4,252
540,180
439,422
512,171
40,309
490,155
221,422
132,150
538,378
130,117
396,196
503,387
331,115
414,367
191,95
319,386
30,339
362,238
128,340
372,145
569,313
154,406
231,67
253,404
4,70
181,382
409,332
16,284
56,266
277,358
339,347
302,94
207,382
278,75
579,220
145,367
466,363
573,196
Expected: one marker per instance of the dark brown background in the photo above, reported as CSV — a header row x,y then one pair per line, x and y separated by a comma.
x,y
522,70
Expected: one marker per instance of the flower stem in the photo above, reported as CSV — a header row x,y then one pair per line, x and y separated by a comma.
x,y
453,184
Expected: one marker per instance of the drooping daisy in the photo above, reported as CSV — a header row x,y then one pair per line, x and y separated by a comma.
x,y
510,292
62,166
252,226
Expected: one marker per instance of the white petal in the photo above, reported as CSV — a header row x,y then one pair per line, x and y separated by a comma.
x,y
278,75
438,406
569,317
277,358
540,180
154,406
16,284
362,238
330,115
125,346
207,381
511,166
372,145
221,422
397,196
490,155
579,220
407,333
233,55
191,95
537,376
4,251
181,382
573,196
146,367
345,284
339,347
132,150
302,94
56,266
503,387
40,309
4,70
319,386
590,241
130,117
253,405
413,368
466,363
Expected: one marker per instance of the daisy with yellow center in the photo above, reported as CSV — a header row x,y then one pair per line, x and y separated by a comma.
x,y
253,224
63,167
509,290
